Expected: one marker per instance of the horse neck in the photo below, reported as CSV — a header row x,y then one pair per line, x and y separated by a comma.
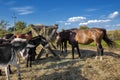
x,y
35,41
65,35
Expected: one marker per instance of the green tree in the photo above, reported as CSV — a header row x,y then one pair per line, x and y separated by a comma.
x,y
26,29
3,24
20,25
84,27
11,29
2,32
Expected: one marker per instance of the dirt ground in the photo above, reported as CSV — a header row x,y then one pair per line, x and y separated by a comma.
x,y
85,68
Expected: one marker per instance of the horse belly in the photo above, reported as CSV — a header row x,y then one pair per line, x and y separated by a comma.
x,y
83,40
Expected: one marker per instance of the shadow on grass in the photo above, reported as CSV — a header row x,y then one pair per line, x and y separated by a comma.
x,y
71,73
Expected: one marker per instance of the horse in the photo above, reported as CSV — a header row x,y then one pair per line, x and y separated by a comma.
x,y
62,41
35,41
8,36
8,55
27,35
87,36
4,41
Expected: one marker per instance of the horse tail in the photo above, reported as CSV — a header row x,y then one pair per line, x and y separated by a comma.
x,y
109,42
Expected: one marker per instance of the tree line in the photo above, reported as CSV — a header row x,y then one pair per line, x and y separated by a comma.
x,y
22,27
19,27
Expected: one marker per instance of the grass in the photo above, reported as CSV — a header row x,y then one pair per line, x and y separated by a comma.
x,y
93,45
86,68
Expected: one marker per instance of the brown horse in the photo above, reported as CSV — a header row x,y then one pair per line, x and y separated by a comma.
x,y
87,36
27,35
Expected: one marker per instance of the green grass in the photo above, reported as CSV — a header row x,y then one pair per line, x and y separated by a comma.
x,y
117,42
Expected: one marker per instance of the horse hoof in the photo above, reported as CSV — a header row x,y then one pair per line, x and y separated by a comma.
x,y
19,78
11,72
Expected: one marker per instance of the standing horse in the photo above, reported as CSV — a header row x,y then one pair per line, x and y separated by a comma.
x,y
7,38
62,40
8,55
86,37
35,41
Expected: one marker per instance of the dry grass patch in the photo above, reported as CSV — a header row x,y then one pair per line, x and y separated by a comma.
x,y
86,68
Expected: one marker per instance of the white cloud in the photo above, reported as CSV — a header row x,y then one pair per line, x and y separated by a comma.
x,y
67,23
94,21
75,19
23,10
116,25
91,9
60,21
113,15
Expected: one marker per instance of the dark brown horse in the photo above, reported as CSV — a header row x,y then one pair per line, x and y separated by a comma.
x,y
62,42
75,36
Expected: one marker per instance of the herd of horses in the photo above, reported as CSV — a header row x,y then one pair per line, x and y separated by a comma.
x,y
27,48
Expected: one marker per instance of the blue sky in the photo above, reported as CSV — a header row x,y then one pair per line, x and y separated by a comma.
x,y
67,13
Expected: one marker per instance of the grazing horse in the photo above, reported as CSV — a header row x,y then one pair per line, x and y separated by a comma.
x,y
87,36
34,42
8,55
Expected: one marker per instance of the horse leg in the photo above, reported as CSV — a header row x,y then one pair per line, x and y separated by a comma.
x,y
10,69
18,69
99,51
0,72
30,60
78,51
72,52
65,46
27,60
62,46
7,73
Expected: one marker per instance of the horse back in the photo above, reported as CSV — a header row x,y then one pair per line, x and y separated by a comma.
x,y
89,35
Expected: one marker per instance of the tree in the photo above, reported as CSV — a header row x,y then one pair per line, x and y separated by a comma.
x,y
19,26
84,27
26,29
3,24
11,29
2,32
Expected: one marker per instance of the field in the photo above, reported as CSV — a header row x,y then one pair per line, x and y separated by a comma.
x,y
86,68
